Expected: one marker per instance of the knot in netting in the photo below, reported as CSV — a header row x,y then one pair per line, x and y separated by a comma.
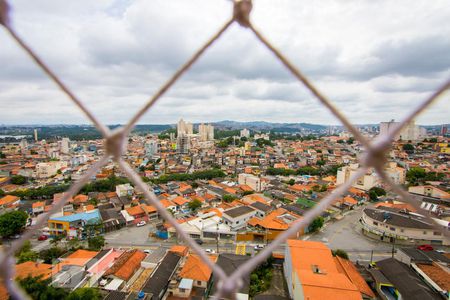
x,y
242,9
229,287
376,156
115,144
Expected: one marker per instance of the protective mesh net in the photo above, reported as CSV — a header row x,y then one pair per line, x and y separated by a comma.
x,y
115,141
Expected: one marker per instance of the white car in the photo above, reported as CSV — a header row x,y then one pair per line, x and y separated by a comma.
x,y
210,251
259,247
141,223
147,251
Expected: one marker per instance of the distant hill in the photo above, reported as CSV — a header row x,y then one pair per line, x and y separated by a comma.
x,y
276,127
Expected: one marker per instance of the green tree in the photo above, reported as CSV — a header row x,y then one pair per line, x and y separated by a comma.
x,y
245,193
291,181
194,204
433,140
2,193
41,289
2,155
96,243
340,253
376,192
18,179
350,141
320,163
316,224
48,255
417,176
85,294
12,222
228,198
408,147
26,254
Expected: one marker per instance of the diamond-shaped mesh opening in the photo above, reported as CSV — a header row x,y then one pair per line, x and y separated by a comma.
x,y
115,140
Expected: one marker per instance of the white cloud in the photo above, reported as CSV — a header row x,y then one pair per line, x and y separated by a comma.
x,y
374,59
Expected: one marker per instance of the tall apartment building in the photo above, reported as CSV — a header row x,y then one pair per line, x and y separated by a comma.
x,y
252,181
35,135
206,132
151,148
184,128
48,169
64,146
411,132
365,182
183,144
245,133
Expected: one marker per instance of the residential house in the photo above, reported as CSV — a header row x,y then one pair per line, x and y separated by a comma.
x,y
158,283
229,263
125,265
38,207
238,217
9,201
194,278
311,272
73,225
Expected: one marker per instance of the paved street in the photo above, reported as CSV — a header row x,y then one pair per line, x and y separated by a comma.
x,y
346,234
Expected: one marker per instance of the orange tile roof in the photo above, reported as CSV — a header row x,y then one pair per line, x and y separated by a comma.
x,y
180,200
166,203
300,188
438,274
135,210
245,188
131,266
78,258
179,249
230,190
80,198
272,220
149,208
38,204
126,264
33,269
89,207
8,199
329,283
346,267
350,200
194,268
397,206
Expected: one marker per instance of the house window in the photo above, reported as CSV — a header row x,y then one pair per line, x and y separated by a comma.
x,y
424,232
436,233
402,230
199,282
392,228
375,223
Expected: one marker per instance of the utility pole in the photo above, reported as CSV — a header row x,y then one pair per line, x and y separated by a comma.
x,y
217,237
393,247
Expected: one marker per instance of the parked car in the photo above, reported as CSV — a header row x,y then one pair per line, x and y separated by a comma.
x,y
425,247
42,237
141,223
259,247
199,241
210,251
148,251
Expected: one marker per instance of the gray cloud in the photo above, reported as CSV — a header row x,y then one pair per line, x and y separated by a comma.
x,y
374,60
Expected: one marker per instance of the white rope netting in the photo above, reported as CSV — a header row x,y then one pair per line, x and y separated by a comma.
x,y
115,141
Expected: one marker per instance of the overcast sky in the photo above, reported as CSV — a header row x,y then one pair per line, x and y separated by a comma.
x,y
374,59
